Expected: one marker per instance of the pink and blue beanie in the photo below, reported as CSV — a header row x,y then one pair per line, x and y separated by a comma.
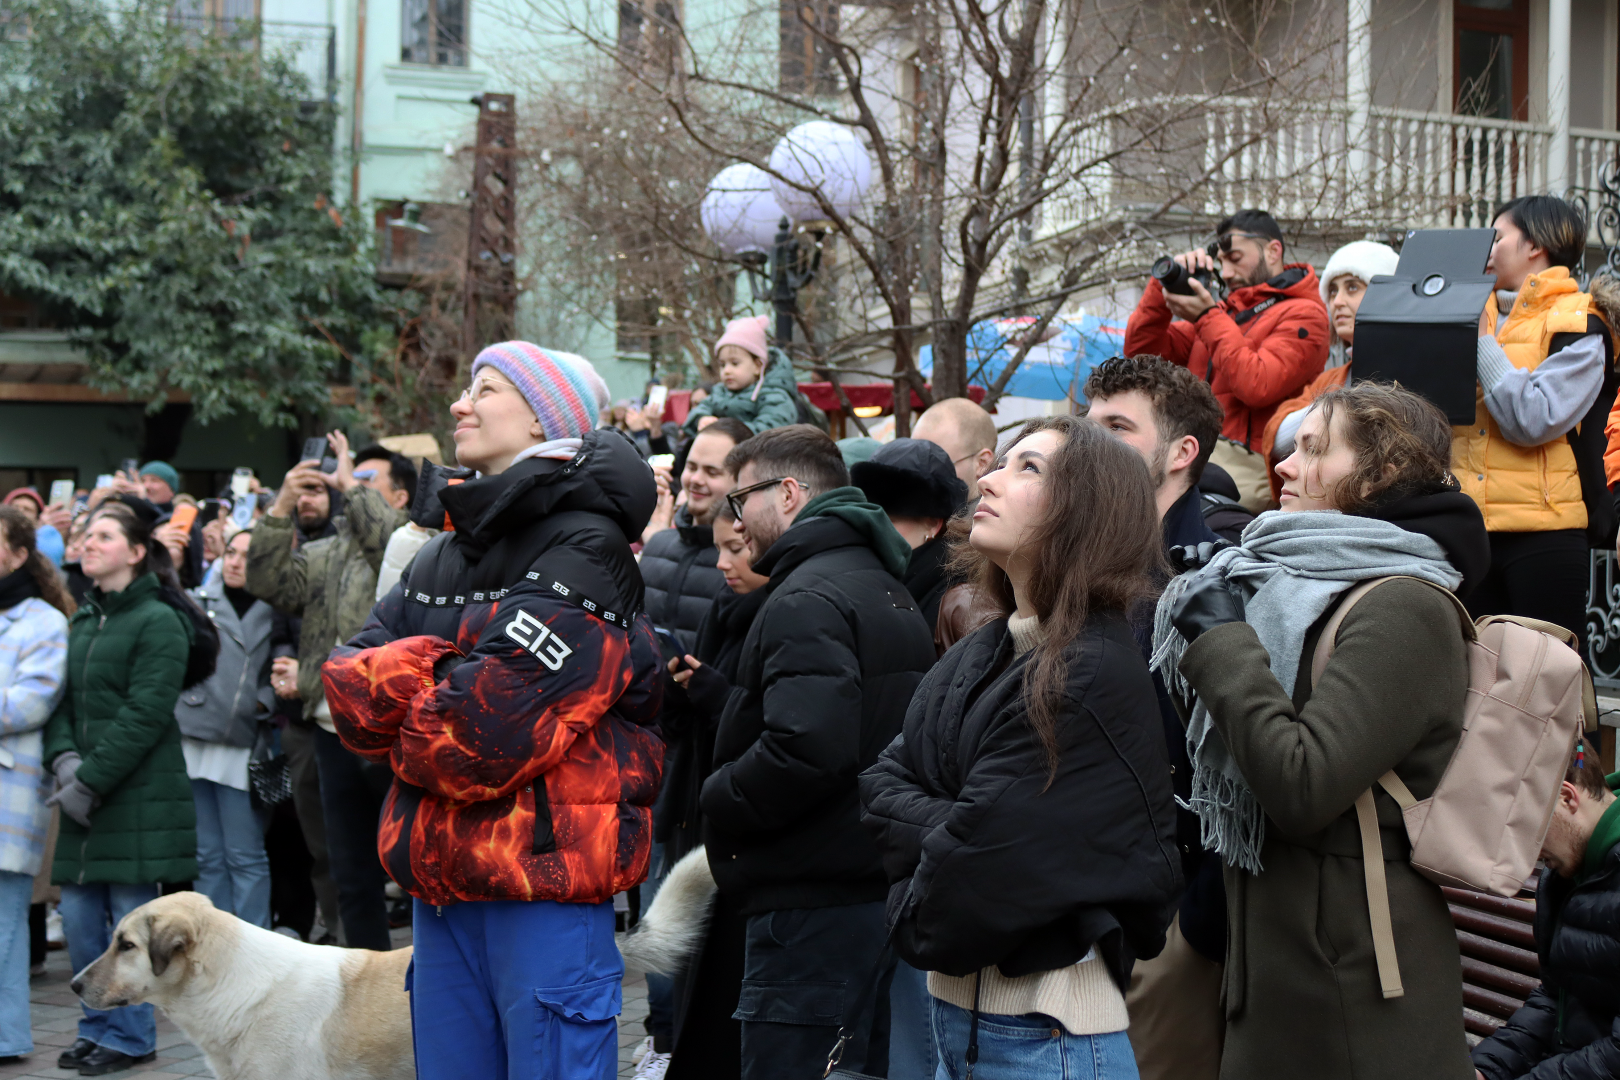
x,y
556,389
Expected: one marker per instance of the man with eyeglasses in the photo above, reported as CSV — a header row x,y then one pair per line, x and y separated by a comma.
x,y
1256,348
823,682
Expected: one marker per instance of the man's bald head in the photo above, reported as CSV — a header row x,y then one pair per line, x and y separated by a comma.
x,y
965,432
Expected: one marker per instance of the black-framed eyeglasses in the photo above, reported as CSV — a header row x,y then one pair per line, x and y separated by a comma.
x,y
737,497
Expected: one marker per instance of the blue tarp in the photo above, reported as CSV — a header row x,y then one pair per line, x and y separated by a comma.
x,y
1053,370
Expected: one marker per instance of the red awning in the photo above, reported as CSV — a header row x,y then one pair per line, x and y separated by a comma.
x,y
824,397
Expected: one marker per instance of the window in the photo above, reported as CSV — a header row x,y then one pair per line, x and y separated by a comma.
x,y
435,32
808,28
220,16
1492,58
650,33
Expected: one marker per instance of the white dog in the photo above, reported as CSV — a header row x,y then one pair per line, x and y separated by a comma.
x,y
260,1005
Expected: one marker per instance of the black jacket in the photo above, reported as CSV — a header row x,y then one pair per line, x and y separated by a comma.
x,y
822,684
691,714
1570,1027
991,864
925,577
678,568
1203,905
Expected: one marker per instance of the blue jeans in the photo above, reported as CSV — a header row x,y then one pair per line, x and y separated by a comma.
x,y
514,990
232,868
911,1041
16,1035
1029,1047
89,913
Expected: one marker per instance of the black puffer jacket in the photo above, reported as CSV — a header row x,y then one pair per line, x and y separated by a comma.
x,y
691,714
925,576
993,865
822,684
1570,1027
682,581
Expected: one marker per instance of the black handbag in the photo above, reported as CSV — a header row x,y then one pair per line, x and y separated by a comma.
x,y
271,781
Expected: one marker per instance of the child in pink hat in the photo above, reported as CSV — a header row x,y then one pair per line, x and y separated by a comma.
x,y
756,382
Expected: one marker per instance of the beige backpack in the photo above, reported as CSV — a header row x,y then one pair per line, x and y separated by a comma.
x,y
1529,696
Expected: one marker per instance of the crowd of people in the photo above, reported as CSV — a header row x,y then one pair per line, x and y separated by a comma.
x,y
1008,754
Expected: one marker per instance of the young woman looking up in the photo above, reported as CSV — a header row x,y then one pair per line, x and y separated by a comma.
x,y
1026,812
1278,762
128,823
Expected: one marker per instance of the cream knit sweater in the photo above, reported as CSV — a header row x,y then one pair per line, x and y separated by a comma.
x,y
1081,997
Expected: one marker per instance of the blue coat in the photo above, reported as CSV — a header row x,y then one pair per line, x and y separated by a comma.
x,y
33,668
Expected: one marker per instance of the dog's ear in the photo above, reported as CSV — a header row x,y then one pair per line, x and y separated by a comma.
x,y
166,934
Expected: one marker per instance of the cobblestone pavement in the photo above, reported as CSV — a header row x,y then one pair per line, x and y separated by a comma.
x,y
56,1018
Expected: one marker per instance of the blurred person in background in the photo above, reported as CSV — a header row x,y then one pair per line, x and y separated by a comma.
x,y
219,726
49,522
331,583
916,484
756,381
34,610
966,433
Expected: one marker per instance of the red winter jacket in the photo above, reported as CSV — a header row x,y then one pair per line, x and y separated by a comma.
x,y
1258,362
511,686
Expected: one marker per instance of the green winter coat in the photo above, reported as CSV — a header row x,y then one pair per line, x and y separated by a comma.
x,y
1301,985
776,405
331,583
126,660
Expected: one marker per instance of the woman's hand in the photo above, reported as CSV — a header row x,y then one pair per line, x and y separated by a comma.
x,y
284,676
664,513
684,675
175,538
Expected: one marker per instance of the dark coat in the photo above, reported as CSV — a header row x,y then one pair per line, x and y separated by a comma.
x,y
1301,985
1203,905
691,714
678,568
512,684
822,685
126,660
1570,1027
970,828
926,579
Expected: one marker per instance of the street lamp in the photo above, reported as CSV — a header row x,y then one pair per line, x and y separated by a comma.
x,y
742,200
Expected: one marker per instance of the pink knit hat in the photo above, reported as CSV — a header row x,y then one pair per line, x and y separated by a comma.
x,y
748,334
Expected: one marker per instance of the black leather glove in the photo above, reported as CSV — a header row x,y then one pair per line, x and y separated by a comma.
x,y
1195,556
1209,601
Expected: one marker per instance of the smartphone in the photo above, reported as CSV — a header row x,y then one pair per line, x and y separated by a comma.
x,y
242,511
666,460
314,449
241,481
670,644
104,480
657,398
130,465
185,515
61,492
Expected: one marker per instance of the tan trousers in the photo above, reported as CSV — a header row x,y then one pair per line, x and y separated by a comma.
x,y
1177,1024
1248,471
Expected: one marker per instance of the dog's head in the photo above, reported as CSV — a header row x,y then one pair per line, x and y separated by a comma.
x,y
149,954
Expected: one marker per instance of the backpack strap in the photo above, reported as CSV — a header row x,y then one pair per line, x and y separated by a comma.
x,y
1372,844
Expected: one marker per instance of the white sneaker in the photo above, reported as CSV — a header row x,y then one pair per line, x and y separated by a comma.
x,y
653,1066
53,928
641,1051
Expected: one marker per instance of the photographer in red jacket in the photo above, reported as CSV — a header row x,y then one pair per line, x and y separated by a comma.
x,y
1257,347
512,683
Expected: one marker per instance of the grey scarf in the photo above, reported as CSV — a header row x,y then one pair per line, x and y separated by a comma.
x,y
1291,568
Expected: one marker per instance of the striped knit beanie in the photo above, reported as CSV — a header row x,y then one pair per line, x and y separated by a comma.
x,y
557,390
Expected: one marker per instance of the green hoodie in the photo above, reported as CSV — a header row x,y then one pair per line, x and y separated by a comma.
x,y
848,504
1605,835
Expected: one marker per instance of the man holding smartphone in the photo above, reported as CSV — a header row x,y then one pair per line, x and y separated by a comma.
x,y
315,554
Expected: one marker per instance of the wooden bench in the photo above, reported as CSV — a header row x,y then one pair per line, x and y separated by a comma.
x,y
1497,939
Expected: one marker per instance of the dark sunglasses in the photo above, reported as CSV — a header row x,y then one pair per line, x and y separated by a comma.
x,y
736,498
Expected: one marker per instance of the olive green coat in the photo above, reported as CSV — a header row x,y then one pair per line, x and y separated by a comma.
x,y
1301,988
126,659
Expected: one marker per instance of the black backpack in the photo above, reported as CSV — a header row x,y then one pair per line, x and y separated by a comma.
x,y
204,636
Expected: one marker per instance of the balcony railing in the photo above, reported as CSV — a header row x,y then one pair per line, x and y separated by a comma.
x,y
1317,161
311,48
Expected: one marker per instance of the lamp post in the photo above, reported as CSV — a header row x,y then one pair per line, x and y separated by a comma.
x,y
744,202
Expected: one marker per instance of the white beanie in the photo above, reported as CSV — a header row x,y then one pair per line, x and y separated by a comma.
x,y
1359,258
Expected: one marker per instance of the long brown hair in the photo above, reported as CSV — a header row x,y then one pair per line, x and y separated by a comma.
x,y
1096,549
18,532
1402,443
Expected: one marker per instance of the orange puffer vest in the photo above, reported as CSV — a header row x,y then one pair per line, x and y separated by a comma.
x,y
1525,488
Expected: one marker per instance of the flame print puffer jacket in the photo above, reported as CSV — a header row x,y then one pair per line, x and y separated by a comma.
x,y
513,685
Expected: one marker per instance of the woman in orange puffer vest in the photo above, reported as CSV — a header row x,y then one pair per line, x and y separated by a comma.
x,y
1540,376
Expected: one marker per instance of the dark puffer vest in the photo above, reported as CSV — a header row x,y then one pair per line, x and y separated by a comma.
x,y
512,683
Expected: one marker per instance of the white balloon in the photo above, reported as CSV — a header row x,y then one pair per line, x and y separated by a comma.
x,y
738,212
824,156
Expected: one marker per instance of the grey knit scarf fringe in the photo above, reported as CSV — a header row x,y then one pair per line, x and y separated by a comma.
x,y
1291,568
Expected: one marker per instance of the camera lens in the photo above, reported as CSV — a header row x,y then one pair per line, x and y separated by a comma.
x,y
1172,275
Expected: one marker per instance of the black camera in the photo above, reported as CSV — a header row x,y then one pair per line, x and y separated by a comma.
x,y
1177,279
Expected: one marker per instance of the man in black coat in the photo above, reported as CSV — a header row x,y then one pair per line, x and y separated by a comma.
x,y
1569,1029
823,682
1170,416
